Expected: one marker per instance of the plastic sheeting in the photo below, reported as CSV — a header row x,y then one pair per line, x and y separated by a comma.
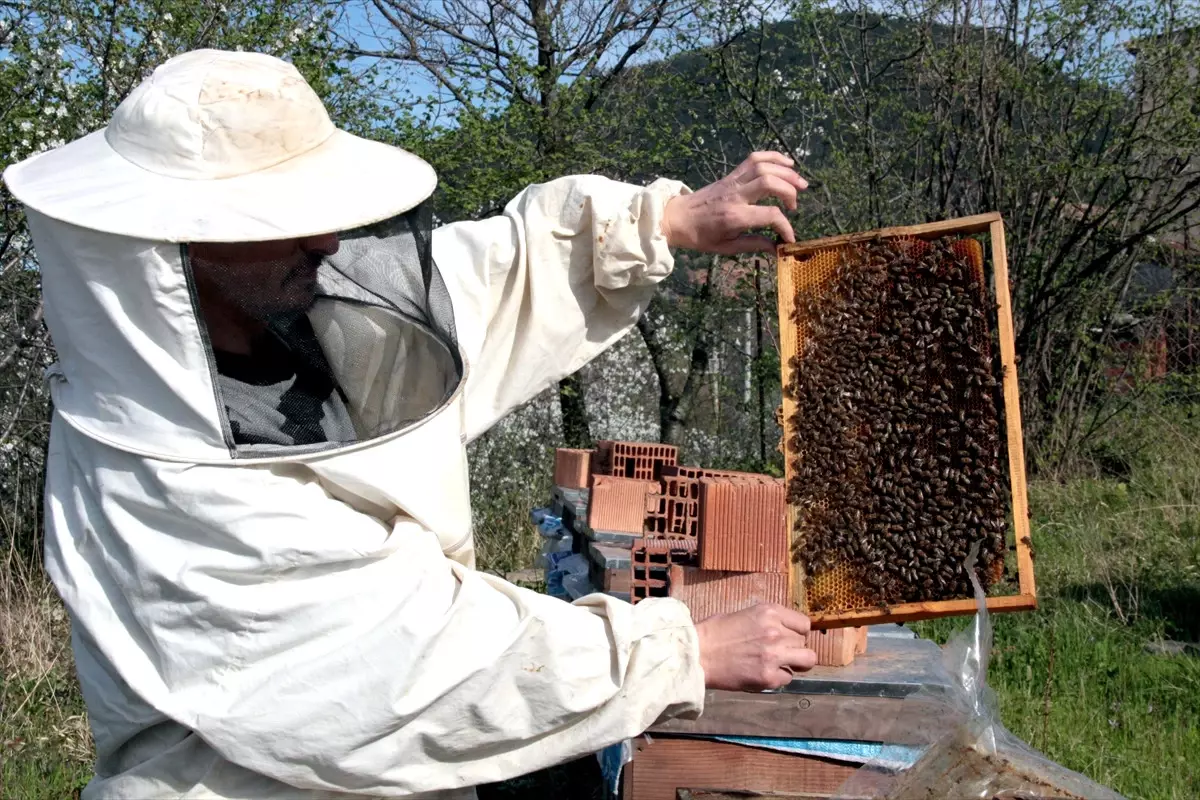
x,y
973,755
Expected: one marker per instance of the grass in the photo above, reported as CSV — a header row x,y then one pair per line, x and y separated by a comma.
x,y
1118,567
45,744
1118,562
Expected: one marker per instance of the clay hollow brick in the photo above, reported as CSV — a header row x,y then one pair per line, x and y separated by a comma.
x,y
683,517
707,592
650,561
680,486
837,647
619,505
638,460
743,524
609,580
681,471
602,458
696,473
572,468
657,515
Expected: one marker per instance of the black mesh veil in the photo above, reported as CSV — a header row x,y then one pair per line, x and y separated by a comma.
x,y
323,341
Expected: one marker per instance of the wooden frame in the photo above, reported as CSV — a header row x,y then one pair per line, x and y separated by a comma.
x,y
993,225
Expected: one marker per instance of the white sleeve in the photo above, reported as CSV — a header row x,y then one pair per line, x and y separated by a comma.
x,y
316,645
546,286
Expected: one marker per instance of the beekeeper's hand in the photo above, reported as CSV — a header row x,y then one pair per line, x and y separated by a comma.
x,y
754,649
716,219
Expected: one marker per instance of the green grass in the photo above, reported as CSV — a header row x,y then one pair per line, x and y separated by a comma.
x,y
1118,567
45,745
1118,564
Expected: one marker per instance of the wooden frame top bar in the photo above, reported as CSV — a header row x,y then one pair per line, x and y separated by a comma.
x,y
979,223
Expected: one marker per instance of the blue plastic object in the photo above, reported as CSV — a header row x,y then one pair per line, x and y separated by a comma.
x,y
893,756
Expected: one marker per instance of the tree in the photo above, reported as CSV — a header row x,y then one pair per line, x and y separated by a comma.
x,y
526,92
66,66
904,112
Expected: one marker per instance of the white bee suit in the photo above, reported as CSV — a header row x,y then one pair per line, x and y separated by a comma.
x,y
308,623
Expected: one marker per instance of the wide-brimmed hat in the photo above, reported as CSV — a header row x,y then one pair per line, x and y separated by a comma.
x,y
222,146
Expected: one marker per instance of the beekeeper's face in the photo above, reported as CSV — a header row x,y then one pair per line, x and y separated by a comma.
x,y
364,311
261,278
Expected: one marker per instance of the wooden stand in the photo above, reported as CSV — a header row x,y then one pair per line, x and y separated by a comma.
x,y
890,695
667,768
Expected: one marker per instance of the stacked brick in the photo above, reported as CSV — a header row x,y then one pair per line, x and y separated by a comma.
x,y
683,503
681,485
708,592
837,647
622,505
715,539
640,460
651,564
657,514
743,525
572,468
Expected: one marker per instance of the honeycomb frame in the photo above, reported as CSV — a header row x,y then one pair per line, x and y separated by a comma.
x,y
802,265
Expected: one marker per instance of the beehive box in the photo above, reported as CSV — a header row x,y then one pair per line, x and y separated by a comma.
x,y
902,430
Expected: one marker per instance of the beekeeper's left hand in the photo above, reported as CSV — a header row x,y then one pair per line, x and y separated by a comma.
x,y
716,219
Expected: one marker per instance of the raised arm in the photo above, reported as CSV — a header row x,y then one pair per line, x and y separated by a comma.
x,y
570,265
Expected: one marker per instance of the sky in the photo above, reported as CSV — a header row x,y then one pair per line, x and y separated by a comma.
x,y
367,28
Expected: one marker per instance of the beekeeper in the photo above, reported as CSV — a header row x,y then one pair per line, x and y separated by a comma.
x,y
257,503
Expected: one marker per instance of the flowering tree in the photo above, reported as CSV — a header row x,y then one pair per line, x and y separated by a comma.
x,y
521,93
64,67
1078,122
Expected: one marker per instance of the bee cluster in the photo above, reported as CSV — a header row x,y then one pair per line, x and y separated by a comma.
x,y
895,441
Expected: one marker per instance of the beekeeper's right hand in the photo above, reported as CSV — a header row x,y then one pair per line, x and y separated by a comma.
x,y
754,649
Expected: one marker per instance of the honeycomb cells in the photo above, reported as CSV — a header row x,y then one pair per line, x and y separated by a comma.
x,y
895,447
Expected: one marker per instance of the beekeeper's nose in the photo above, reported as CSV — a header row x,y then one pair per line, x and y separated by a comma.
x,y
326,244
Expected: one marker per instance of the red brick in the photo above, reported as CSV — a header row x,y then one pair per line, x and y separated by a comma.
x,y
861,647
619,504
601,463
835,647
572,468
639,460
680,486
657,508
752,477
743,524
707,593
682,517
650,561
677,470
